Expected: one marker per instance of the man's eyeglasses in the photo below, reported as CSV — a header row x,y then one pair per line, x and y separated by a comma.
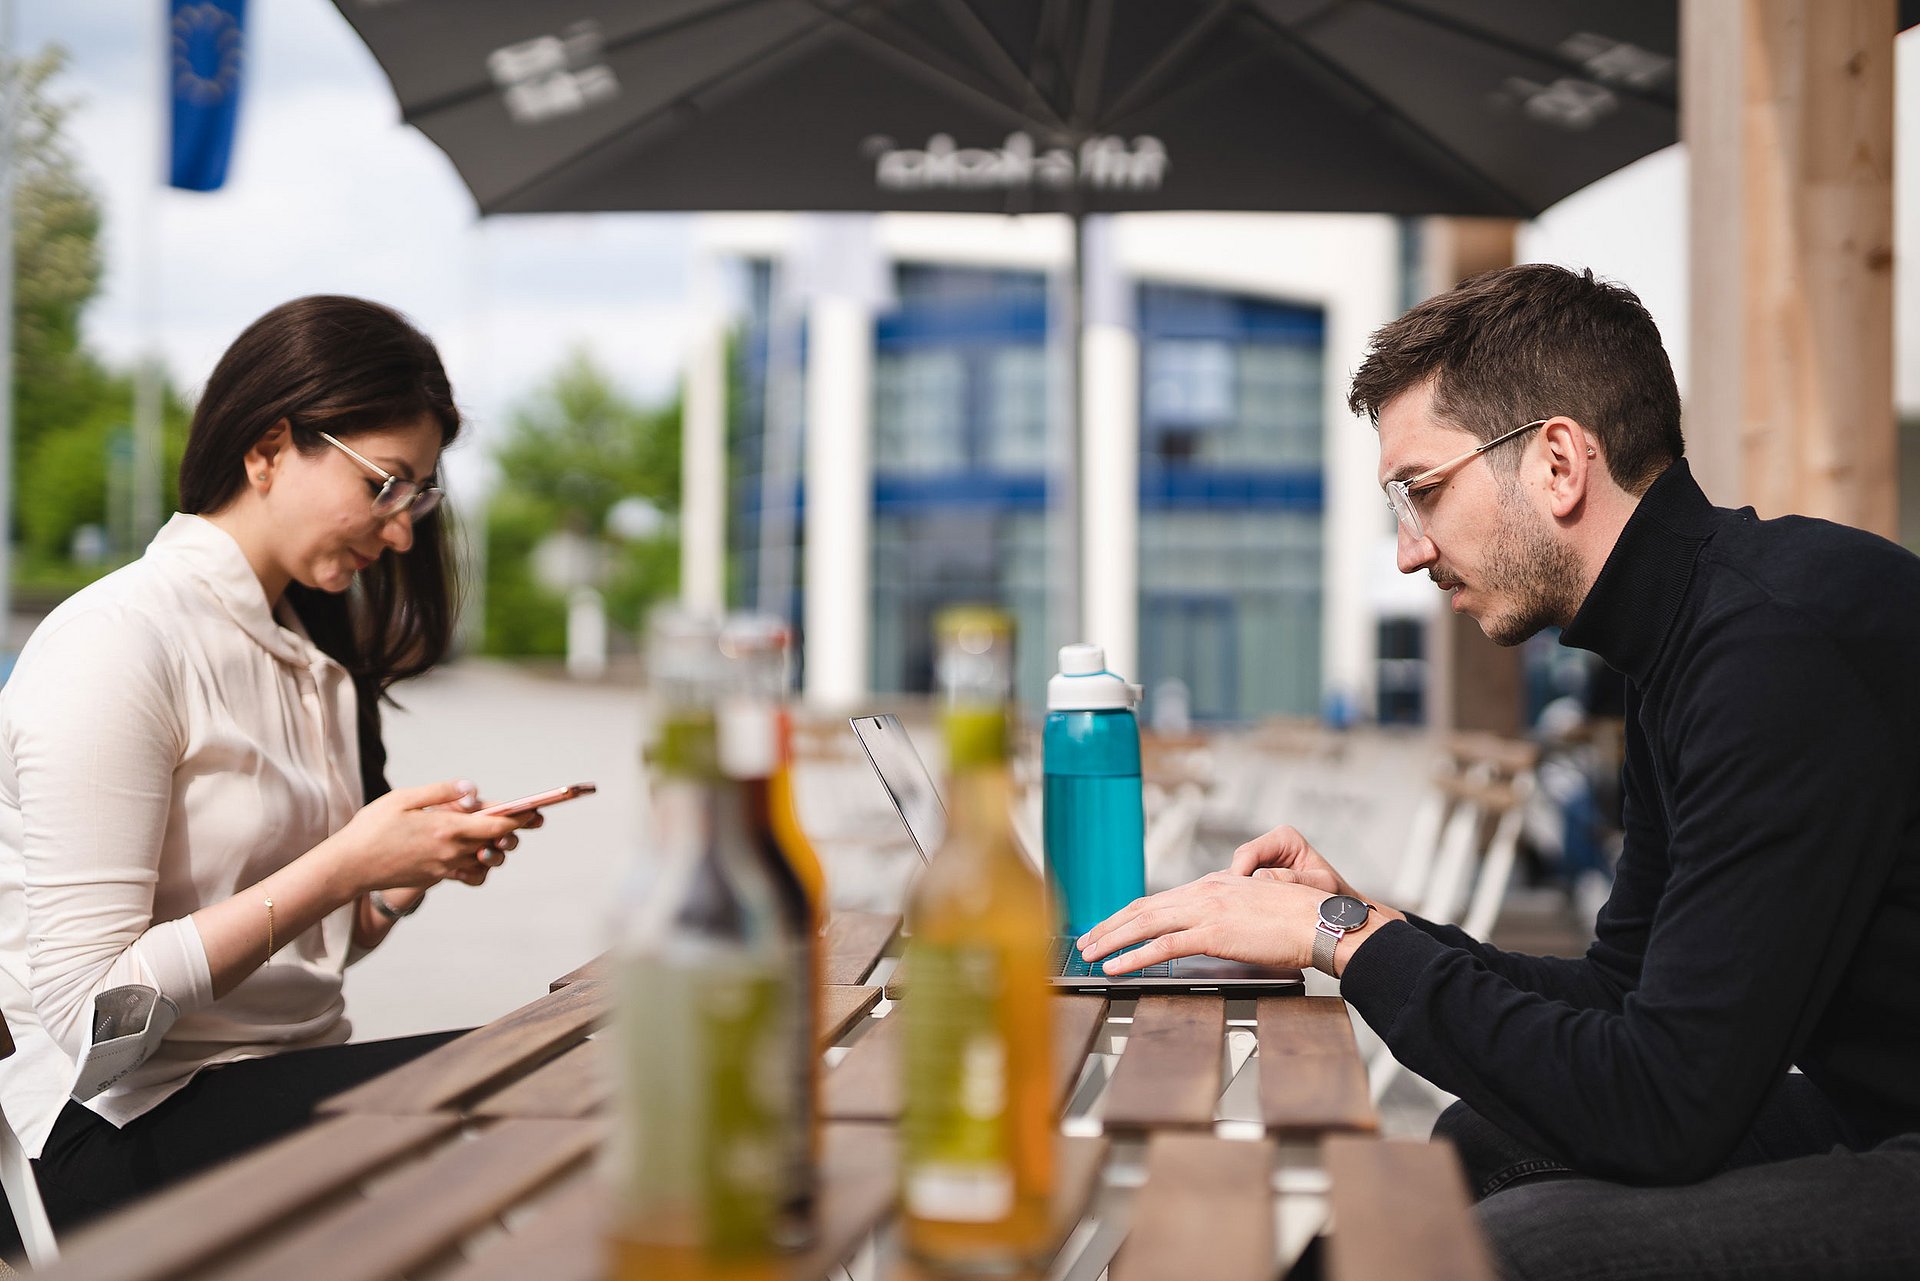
x,y
1400,492
417,498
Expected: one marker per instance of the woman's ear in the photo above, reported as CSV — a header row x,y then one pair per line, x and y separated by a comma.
x,y
264,459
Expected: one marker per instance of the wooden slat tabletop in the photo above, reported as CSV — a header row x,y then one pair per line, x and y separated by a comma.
x,y
566,1241
855,942
1311,1077
1170,1074
1401,1210
242,1200
866,1085
596,970
485,1058
481,1148
1205,1213
422,1211
578,1083
1077,1164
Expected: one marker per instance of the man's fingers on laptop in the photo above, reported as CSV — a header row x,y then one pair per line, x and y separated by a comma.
x,y
1168,947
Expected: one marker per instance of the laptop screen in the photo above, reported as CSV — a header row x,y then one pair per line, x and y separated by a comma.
x,y
905,777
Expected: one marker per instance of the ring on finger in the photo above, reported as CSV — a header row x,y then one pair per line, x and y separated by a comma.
x,y
491,857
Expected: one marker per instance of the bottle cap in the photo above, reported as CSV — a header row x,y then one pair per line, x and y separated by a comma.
x,y
1085,685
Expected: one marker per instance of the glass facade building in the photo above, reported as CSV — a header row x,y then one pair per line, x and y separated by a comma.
x,y
1231,480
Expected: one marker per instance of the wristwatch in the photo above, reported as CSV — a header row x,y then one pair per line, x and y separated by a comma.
x,y
1340,915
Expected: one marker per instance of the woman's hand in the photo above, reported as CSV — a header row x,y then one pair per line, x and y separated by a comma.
x,y
417,836
1284,855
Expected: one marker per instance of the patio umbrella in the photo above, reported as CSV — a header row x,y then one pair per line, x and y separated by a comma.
x,y
1488,107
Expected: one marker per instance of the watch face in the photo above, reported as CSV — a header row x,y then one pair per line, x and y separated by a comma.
x,y
1343,911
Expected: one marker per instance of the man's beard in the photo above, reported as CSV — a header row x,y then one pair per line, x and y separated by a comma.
x,y
1539,575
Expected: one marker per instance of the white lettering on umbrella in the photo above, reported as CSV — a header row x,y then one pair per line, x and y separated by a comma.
x,y
550,76
1102,163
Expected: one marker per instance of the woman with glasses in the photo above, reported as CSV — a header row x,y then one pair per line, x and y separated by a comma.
x,y
195,822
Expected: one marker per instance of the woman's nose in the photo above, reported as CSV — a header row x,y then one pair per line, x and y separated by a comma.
x,y
397,533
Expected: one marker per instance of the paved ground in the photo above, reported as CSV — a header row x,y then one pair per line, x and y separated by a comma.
x,y
471,954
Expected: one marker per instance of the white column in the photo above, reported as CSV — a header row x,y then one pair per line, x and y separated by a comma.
x,y
1355,513
839,499
1110,495
1109,481
703,472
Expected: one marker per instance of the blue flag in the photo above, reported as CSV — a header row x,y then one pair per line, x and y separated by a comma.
x,y
204,80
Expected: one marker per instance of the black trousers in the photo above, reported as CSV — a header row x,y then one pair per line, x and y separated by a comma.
x,y
89,1166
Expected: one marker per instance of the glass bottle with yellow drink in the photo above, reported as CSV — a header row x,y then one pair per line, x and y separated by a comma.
x,y
978,1129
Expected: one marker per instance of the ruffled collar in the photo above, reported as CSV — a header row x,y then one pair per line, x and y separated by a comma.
x,y
216,562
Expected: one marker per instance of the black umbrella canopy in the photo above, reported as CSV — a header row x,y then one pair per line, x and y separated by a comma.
x,y
1493,107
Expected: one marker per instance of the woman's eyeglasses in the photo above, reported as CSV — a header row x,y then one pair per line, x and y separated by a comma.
x,y
417,498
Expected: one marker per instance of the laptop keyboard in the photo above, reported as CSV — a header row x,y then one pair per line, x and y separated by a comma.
x,y
1068,963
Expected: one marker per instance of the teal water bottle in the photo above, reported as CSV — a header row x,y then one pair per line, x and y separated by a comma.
x,y
1095,828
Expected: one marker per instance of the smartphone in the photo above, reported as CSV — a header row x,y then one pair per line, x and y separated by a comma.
x,y
540,800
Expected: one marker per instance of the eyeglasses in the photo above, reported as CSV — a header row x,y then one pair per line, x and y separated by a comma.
x,y
417,498
1400,492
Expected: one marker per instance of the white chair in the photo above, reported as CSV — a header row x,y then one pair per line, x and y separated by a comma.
x,y
1462,846
23,1191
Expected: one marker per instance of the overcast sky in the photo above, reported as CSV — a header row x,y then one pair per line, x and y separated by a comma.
x,y
329,192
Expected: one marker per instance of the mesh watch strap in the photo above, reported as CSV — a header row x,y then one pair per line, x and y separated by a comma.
x,y
1325,939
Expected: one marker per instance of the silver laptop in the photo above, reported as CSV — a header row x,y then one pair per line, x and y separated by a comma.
x,y
917,801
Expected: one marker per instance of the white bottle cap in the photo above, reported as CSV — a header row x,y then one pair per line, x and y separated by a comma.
x,y
1085,685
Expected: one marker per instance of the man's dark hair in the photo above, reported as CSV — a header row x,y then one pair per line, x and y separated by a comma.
x,y
1509,346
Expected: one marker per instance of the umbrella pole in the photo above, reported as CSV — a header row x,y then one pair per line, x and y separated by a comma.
x,y
1064,505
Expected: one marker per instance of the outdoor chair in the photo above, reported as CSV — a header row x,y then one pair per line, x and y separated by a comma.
x,y
23,1192
1462,845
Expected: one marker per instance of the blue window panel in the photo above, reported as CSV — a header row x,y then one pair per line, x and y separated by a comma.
x,y
956,306
897,494
1202,487
1175,311
961,324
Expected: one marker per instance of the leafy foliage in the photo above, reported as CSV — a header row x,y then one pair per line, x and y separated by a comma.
x,y
576,448
71,411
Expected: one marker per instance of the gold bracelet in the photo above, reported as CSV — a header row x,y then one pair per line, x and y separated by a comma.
x,y
269,929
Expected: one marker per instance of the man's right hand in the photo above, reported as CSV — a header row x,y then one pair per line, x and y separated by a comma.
x,y
1284,855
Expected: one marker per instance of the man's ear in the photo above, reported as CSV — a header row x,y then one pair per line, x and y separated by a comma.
x,y
1573,456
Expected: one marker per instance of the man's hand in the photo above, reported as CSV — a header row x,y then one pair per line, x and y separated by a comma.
x,y
1259,920
1284,855
1264,910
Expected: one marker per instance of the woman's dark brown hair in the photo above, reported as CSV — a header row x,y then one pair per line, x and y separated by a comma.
x,y
342,366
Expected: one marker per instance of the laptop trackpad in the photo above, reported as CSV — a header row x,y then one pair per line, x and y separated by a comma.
x,y
1212,967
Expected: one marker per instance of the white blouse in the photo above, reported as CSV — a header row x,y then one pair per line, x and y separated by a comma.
x,y
165,741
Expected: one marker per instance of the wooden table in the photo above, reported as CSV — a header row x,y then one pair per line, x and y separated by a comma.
x,y
1201,1138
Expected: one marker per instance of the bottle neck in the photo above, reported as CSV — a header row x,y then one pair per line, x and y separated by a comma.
x,y
981,797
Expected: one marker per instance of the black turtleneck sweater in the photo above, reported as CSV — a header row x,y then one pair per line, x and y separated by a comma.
x,y
1766,911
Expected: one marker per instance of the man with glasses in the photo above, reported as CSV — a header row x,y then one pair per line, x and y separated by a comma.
x,y
1636,1112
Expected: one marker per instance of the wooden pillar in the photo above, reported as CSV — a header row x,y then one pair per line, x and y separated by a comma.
x,y
1472,683
1787,110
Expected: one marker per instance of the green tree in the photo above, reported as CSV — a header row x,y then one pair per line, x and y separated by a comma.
x,y
70,409
576,449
